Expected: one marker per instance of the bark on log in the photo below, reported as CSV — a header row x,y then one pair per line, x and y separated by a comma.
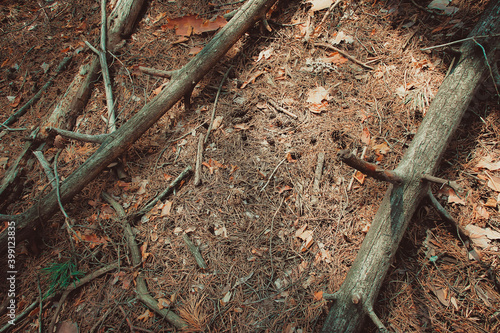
x,y
355,298
118,141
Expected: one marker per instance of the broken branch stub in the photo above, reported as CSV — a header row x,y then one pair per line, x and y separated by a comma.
x,y
119,141
367,273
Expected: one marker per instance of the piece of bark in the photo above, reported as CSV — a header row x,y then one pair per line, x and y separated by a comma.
x,y
367,273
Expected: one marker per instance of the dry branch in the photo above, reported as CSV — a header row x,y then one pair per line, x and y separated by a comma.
x,y
119,141
367,273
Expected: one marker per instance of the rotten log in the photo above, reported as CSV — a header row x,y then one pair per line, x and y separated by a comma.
x,y
355,298
119,141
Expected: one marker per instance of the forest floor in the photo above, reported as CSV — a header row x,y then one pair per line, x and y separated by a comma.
x,y
272,239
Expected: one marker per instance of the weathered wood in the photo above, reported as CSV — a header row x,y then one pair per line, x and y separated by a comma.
x,y
118,141
355,298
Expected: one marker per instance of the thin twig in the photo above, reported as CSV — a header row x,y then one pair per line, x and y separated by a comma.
x,y
272,174
443,213
46,167
369,169
279,108
318,172
195,251
199,159
166,191
157,72
344,53
453,184
457,41
215,103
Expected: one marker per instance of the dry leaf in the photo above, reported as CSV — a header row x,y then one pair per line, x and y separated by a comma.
x,y
487,163
289,158
145,316
195,50
221,231
381,148
341,37
241,127
442,295
306,234
335,58
307,243
217,122
213,165
144,254
481,236
265,54
67,327
481,212
360,177
166,208
493,182
318,296
365,136
252,79
320,4
318,99
164,303
226,298
178,230
491,202
284,188
192,24
300,230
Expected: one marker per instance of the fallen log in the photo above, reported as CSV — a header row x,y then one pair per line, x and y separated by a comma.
x,y
118,142
355,298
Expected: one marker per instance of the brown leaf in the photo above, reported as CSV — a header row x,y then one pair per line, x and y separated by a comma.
x,y
318,296
67,327
360,177
481,212
487,163
192,24
164,303
289,158
166,208
365,136
318,99
284,188
144,254
145,316
16,101
493,182
252,79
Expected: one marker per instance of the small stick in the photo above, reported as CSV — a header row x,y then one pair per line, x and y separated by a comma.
x,y
443,213
272,174
157,72
165,192
369,169
45,166
453,184
344,53
279,108
215,104
457,41
199,159
319,171
195,251
99,138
